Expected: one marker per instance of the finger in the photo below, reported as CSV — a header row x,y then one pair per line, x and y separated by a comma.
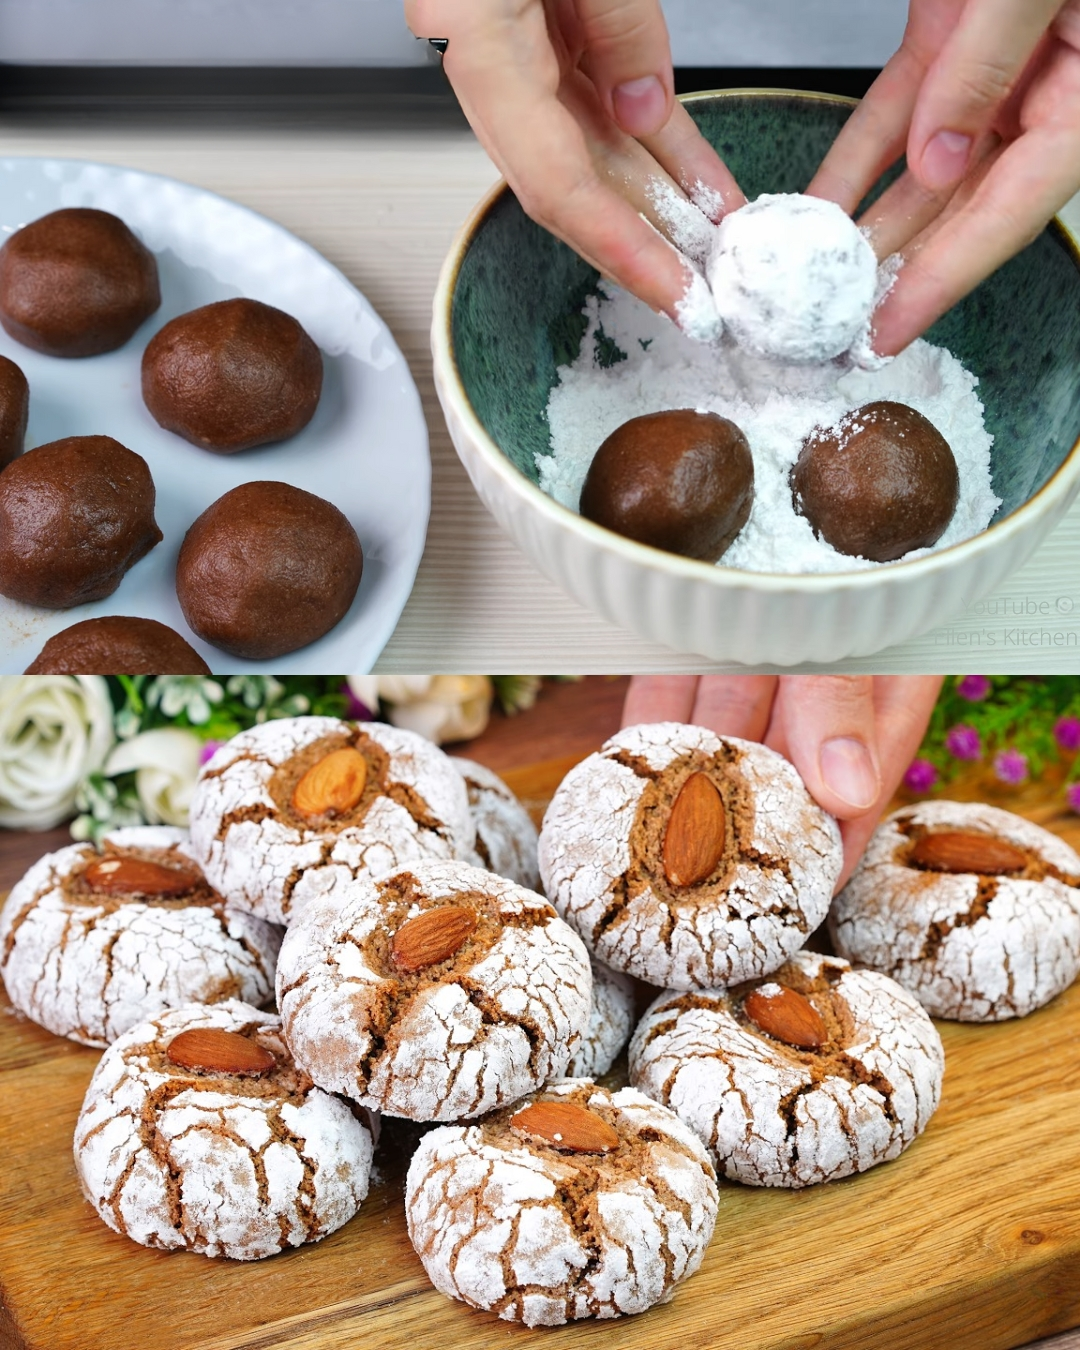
x,y
735,705
628,58
659,698
681,149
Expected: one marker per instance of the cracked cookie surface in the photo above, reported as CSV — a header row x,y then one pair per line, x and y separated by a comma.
x,y
605,857
228,1164
543,1231
271,858
88,960
973,946
776,1114
505,834
436,992
610,1023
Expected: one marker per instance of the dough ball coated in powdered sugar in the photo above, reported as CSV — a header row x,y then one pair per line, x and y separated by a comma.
x,y
775,1114
974,946
610,1023
793,277
505,834
270,858
436,992
509,1222
603,846
228,1164
88,961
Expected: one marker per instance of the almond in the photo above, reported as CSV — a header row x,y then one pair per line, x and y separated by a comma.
x,y
137,876
573,1129
431,937
694,839
332,786
219,1051
786,1015
957,852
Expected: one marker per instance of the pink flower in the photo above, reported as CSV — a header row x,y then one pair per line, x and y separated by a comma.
x,y
962,742
974,688
1011,766
1067,733
1072,796
921,776
209,750
355,709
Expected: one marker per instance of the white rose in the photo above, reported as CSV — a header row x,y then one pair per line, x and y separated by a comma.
x,y
54,730
166,764
448,708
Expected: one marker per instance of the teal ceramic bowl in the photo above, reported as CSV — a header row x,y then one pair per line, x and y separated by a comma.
x,y
508,313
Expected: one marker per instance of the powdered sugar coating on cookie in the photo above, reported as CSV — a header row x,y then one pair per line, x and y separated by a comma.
x,y
975,948
602,840
774,1115
267,858
89,965
217,1163
610,1023
494,1019
542,1236
505,834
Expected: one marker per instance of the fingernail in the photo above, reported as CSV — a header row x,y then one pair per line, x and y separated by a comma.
x,y
849,771
945,159
640,105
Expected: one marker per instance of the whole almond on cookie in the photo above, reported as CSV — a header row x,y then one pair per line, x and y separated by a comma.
x,y
954,851
334,785
574,1129
219,1051
695,835
786,1015
138,876
431,937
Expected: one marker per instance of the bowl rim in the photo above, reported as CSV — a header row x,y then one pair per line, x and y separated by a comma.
x,y
449,385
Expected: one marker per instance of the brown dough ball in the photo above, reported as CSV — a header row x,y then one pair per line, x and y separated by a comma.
x,y
75,283
681,481
14,410
266,569
115,645
74,516
232,375
879,484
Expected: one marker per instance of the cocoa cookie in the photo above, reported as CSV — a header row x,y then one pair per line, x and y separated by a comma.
x,y
232,375
974,909
299,807
117,645
75,283
577,1202
611,1020
198,1132
505,834
14,410
813,1074
93,941
688,859
75,515
267,568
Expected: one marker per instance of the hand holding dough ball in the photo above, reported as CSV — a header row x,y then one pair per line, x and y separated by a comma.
x,y
117,645
14,410
76,282
232,375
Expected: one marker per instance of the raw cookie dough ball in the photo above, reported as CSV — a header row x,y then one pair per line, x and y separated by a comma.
x,y
14,410
817,1073
436,992
198,1132
505,834
93,941
688,859
74,516
75,283
681,481
793,278
267,568
880,483
974,909
117,645
610,1023
300,806
232,375
577,1203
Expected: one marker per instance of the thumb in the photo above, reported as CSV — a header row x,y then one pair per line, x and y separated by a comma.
x,y
826,726
628,58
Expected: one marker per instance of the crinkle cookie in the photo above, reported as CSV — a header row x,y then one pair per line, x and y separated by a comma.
x,y
577,1203
92,942
688,859
816,1073
437,992
610,1023
199,1132
505,834
290,809
974,909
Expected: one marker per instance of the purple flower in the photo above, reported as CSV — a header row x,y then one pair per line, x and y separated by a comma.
x,y
921,776
209,750
355,711
1072,796
1067,733
1011,766
962,742
974,688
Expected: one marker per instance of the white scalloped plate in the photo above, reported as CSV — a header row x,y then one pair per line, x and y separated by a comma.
x,y
366,449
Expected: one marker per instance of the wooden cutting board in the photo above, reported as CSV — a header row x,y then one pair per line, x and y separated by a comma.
x,y
969,1241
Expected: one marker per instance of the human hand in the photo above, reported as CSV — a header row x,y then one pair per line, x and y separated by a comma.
x,y
573,100
850,737
985,97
